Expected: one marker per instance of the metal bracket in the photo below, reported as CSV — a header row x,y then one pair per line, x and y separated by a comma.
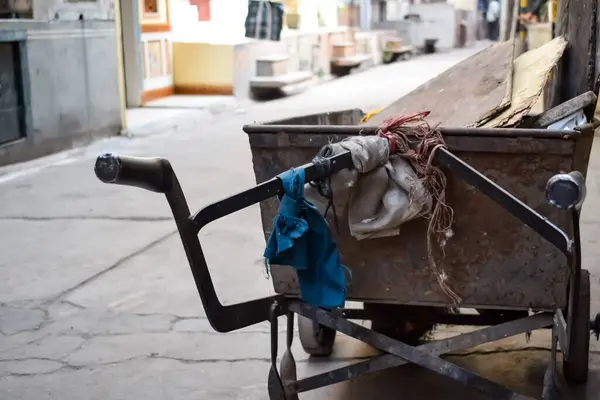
x,y
414,355
437,348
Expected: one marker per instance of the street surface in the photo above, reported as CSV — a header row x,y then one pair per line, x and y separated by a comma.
x,y
97,300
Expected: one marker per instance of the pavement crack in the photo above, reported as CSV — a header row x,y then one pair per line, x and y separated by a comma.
x,y
210,360
73,304
87,217
117,264
248,359
499,351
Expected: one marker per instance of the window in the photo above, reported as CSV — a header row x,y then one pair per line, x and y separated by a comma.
x,y
151,6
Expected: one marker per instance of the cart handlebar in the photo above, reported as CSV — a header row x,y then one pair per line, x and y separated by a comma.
x,y
152,174
157,175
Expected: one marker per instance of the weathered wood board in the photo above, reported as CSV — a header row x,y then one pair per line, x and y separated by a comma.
x,y
464,95
531,72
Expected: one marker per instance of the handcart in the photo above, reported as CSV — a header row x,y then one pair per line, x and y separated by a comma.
x,y
515,256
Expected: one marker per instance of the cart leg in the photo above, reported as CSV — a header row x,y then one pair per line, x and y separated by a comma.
x,y
274,383
550,391
288,364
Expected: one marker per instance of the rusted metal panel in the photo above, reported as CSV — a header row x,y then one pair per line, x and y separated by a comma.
x,y
493,260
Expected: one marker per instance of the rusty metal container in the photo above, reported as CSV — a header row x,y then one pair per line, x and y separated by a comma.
x,y
492,261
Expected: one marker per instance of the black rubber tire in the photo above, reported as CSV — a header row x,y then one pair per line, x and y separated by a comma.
x,y
399,322
316,340
576,367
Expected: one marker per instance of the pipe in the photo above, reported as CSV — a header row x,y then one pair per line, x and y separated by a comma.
x,y
350,130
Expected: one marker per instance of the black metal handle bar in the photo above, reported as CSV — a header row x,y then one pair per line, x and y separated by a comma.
x,y
268,189
152,174
157,175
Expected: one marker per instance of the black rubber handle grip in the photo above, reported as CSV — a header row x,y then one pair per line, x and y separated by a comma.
x,y
153,174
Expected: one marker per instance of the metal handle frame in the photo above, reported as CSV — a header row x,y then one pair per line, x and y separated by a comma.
x,y
232,317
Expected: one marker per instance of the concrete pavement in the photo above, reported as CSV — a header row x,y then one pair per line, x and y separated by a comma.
x,y
97,300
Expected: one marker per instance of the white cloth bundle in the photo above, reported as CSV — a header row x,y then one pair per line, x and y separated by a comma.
x,y
379,195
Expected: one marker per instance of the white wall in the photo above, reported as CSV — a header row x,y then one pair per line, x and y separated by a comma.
x,y
439,21
226,24
228,19
47,10
465,5
397,9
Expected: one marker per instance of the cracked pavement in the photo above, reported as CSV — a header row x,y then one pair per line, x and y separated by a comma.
x,y
97,300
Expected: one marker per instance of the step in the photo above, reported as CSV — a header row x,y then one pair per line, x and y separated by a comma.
x,y
393,44
402,50
343,49
280,81
350,61
272,65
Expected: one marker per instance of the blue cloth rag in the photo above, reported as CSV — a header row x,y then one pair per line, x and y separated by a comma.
x,y
301,239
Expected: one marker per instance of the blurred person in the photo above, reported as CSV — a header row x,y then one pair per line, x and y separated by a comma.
x,y
536,13
492,18
481,32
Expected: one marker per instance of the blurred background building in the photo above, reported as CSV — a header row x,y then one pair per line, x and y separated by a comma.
x,y
69,69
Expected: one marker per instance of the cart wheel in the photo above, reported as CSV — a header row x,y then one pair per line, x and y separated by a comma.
x,y
400,322
575,367
316,340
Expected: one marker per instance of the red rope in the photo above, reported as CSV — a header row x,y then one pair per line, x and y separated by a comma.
x,y
387,127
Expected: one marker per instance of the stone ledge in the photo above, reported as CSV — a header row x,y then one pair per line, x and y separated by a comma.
x,y
281,80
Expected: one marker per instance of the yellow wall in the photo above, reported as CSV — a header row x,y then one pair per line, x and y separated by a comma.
x,y
202,68
120,65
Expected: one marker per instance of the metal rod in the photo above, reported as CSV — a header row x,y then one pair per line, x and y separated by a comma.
x,y
444,346
372,130
506,200
441,318
266,190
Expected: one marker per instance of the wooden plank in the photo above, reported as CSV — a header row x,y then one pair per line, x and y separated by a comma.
x,y
578,23
465,94
565,109
531,72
